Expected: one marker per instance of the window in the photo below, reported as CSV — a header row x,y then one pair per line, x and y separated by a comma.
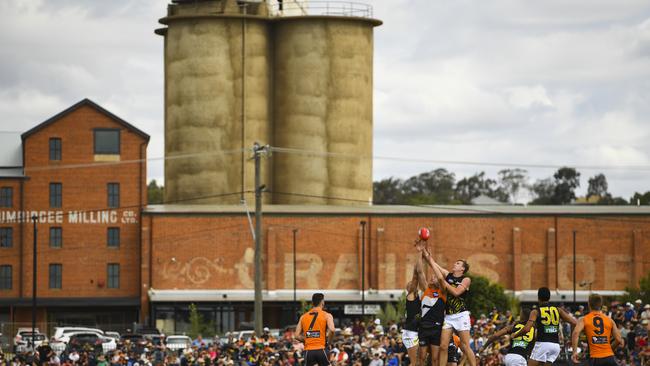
x,y
6,197
56,237
6,237
56,274
113,275
6,277
55,148
113,195
107,142
56,196
113,239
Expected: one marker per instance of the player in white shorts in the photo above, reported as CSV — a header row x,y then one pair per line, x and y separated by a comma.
x,y
456,285
413,304
546,319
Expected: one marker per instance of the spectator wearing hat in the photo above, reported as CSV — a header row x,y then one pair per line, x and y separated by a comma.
x,y
645,315
630,314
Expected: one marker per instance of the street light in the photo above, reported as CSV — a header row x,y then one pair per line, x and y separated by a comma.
x,y
363,269
295,304
34,219
574,267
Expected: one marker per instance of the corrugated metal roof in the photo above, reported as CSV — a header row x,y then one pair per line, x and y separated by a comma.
x,y
403,210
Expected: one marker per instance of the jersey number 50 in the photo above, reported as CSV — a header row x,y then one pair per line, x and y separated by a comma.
x,y
550,316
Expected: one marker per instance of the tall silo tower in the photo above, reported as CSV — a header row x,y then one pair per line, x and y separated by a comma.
x,y
307,86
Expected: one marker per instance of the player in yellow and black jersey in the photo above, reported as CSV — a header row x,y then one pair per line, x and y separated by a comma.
x,y
546,319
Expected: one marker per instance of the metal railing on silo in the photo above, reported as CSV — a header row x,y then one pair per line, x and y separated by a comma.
x,y
320,7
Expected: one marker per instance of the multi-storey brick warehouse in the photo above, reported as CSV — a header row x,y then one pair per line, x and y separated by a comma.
x,y
106,258
82,174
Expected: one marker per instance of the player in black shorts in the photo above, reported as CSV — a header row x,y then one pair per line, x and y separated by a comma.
x,y
432,315
453,355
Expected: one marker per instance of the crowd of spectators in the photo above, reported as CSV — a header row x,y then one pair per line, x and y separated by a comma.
x,y
356,344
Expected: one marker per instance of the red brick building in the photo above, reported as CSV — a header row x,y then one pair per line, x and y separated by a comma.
x,y
107,259
82,173
204,254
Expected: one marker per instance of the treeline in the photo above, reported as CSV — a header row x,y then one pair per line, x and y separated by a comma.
x,y
441,187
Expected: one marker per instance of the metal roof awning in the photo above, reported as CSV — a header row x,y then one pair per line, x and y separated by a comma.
x,y
277,295
564,295
207,295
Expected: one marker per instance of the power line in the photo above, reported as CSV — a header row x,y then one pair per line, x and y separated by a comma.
x,y
134,161
282,150
459,162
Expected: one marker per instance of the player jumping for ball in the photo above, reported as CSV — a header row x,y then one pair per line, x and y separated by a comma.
x,y
456,285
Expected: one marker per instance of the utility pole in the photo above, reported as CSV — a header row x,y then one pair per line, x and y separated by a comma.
x,y
34,219
295,304
258,151
363,269
574,267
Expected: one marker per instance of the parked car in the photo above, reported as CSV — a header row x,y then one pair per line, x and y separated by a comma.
x,y
114,335
62,336
133,338
80,341
23,339
246,335
178,342
155,339
145,331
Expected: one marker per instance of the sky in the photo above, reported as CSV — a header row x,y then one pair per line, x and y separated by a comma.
x,y
523,82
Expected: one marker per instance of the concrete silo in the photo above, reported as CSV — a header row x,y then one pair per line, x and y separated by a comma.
x,y
307,86
204,94
323,98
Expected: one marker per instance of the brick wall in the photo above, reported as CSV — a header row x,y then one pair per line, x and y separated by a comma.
x,y
520,252
84,253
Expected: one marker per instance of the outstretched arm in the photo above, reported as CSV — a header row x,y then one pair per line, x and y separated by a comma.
x,y
436,269
531,320
421,276
574,339
500,333
566,317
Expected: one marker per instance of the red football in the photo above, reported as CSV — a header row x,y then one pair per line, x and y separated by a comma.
x,y
424,233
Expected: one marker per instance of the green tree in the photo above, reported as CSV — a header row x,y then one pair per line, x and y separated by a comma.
x,y
641,291
395,313
543,189
640,198
388,313
198,324
387,192
486,295
512,181
154,193
566,181
469,188
560,190
434,187
597,186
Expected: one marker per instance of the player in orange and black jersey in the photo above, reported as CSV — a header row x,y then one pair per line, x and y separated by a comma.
x,y
314,328
599,329
432,314
455,285
546,319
